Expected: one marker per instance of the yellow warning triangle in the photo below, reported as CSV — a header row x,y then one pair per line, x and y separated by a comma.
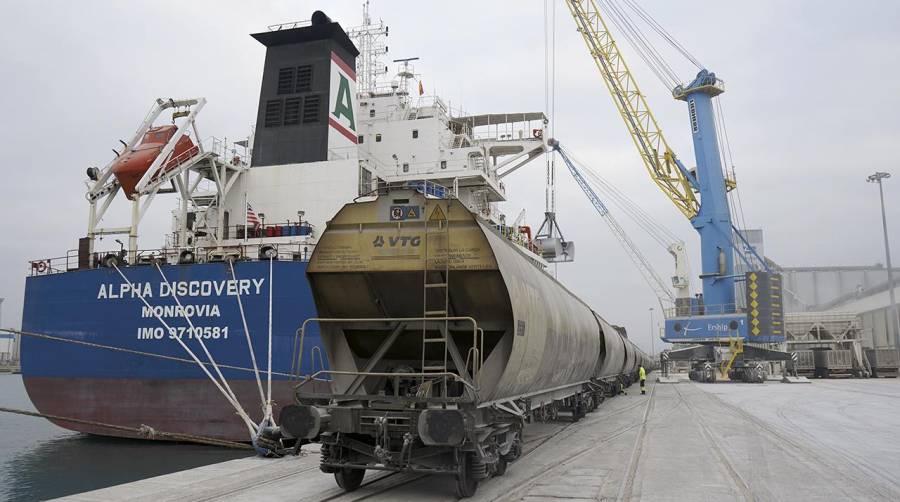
x,y
437,214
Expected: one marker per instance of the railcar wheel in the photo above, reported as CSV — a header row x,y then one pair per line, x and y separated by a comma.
x,y
500,467
466,483
349,479
514,451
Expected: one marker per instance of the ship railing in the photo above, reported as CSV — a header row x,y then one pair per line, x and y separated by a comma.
x,y
226,152
55,265
215,146
703,309
290,25
426,187
264,230
249,251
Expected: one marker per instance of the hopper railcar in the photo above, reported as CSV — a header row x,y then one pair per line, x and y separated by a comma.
x,y
444,339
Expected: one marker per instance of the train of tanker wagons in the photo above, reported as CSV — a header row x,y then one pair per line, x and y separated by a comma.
x,y
444,339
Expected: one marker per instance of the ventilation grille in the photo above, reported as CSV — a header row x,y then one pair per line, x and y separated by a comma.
x,y
287,84
304,79
285,81
291,111
311,109
273,113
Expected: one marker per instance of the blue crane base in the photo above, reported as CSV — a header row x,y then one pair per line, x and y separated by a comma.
x,y
714,328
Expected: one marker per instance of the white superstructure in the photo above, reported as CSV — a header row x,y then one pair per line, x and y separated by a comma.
x,y
401,135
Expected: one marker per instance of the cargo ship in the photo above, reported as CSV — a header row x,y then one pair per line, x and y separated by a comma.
x,y
117,334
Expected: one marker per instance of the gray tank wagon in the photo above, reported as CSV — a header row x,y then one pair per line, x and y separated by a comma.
x,y
444,339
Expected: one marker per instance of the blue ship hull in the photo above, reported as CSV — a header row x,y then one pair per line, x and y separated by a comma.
x,y
125,388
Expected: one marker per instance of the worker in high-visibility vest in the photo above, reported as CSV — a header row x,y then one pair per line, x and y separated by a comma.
x,y
643,374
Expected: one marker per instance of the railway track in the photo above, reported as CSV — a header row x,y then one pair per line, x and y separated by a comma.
x,y
739,482
517,491
381,484
385,483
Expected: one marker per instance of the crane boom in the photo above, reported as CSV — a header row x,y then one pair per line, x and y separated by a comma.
x,y
664,168
660,288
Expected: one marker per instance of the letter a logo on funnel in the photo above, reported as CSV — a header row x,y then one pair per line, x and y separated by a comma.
x,y
342,104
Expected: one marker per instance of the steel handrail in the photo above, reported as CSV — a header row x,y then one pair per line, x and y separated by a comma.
x,y
301,332
458,378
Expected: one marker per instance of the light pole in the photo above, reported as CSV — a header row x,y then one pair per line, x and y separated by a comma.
x,y
652,333
892,311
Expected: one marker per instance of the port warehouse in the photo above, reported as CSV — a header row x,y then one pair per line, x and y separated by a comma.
x,y
843,310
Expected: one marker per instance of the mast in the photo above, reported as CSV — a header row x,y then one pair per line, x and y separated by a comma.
x,y
370,40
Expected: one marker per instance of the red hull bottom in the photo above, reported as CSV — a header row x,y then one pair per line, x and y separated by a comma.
x,y
181,406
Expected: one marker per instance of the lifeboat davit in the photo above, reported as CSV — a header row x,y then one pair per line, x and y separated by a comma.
x,y
130,167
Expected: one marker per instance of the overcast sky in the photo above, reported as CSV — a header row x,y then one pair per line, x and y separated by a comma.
x,y
811,107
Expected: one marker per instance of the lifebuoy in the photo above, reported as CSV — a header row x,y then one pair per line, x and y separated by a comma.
x,y
40,266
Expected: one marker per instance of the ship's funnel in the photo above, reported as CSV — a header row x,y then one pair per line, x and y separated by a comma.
x,y
307,103
319,18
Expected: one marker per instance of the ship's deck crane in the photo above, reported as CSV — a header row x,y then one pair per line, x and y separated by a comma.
x,y
700,194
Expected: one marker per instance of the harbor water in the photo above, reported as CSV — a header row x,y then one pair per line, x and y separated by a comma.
x,y
40,461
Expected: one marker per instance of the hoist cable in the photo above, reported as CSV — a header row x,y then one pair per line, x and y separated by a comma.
x,y
645,42
657,231
644,50
658,28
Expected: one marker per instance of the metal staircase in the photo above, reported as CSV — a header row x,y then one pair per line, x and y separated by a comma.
x,y
736,347
435,285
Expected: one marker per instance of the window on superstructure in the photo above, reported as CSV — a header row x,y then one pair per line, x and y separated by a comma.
x,y
443,164
405,167
273,113
286,81
360,139
311,109
365,181
378,138
372,112
292,111
304,79
415,133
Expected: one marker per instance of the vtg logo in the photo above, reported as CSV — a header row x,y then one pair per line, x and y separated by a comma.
x,y
397,240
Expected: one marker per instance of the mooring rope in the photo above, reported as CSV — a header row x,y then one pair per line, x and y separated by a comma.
x,y
267,416
199,339
262,397
252,428
143,431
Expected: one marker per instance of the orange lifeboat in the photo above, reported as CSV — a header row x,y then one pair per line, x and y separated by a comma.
x,y
130,167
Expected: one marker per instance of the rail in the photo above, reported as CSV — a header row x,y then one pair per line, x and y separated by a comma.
x,y
290,25
208,146
698,310
476,356
242,231
447,374
249,251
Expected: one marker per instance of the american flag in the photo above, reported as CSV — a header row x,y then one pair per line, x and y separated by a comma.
x,y
252,219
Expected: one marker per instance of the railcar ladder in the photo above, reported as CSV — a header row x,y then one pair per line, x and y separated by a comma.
x,y
435,284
